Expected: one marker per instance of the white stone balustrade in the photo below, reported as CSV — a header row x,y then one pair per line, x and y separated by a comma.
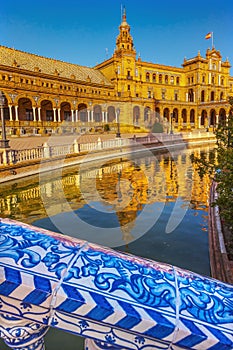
x,y
10,156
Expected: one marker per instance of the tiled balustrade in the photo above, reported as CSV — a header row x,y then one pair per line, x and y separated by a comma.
x,y
114,300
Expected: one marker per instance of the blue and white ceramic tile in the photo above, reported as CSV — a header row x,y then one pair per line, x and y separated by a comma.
x,y
114,298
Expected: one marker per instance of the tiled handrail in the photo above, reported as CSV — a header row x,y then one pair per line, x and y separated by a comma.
x,y
114,300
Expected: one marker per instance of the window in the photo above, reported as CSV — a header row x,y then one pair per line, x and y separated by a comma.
x,y
203,96
49,115
166,79
172,79
154,78
177,81
29,114
148,77
160,78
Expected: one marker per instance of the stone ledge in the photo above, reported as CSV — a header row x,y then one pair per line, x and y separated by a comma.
x,y
220,265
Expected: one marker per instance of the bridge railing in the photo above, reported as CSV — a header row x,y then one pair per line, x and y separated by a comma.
x,y
114,300
46,151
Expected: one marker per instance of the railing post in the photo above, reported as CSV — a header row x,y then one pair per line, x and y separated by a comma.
x,y
22,334
46,150
76,146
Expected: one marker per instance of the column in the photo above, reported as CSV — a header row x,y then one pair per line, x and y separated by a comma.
x,y
103,116
10,112
72,115
92,116
59,114
209,82
16,113
76,115
54,114
22,334
39,114
34,113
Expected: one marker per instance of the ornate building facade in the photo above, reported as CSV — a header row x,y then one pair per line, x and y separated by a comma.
x,y
44,95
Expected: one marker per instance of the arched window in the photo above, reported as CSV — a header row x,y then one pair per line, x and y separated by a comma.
x,y
154,78
203,96
147,76
160,78
212,96
166,79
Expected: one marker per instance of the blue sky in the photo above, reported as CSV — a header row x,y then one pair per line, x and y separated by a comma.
x,y
80,31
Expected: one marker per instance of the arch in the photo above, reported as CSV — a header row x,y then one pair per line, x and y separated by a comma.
x,y
97,113
157,114
212,118
184,115
175,115
212,96
111,114
19,97
136,115
222,117
192,117
190,95
166,114
65,111
82,112
25,111
46,110
147,115
203,117
203,96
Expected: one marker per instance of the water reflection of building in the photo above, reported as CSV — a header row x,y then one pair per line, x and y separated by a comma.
x,y
125,186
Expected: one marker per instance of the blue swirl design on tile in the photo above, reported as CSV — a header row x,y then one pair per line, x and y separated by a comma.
x,y
105,275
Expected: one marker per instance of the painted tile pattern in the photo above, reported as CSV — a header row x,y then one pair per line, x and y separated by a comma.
x,y
118,300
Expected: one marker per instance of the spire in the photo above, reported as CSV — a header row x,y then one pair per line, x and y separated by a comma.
x,y
124,16
124,42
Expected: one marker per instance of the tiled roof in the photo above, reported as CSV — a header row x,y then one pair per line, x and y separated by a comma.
x,y
34,63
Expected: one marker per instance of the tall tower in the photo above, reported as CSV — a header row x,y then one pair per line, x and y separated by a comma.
x,y
124,42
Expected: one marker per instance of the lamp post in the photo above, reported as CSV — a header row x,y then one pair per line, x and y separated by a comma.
x,y
118,134
4,143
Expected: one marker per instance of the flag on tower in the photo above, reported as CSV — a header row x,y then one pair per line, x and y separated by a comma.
x,y
208,36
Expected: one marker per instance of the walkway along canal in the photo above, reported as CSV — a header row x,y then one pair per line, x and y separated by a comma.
x,y
153,205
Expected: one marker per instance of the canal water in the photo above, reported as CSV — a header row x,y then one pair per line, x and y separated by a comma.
x,y
151,205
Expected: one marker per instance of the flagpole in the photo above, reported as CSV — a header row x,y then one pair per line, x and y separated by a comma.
x,y
212,36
